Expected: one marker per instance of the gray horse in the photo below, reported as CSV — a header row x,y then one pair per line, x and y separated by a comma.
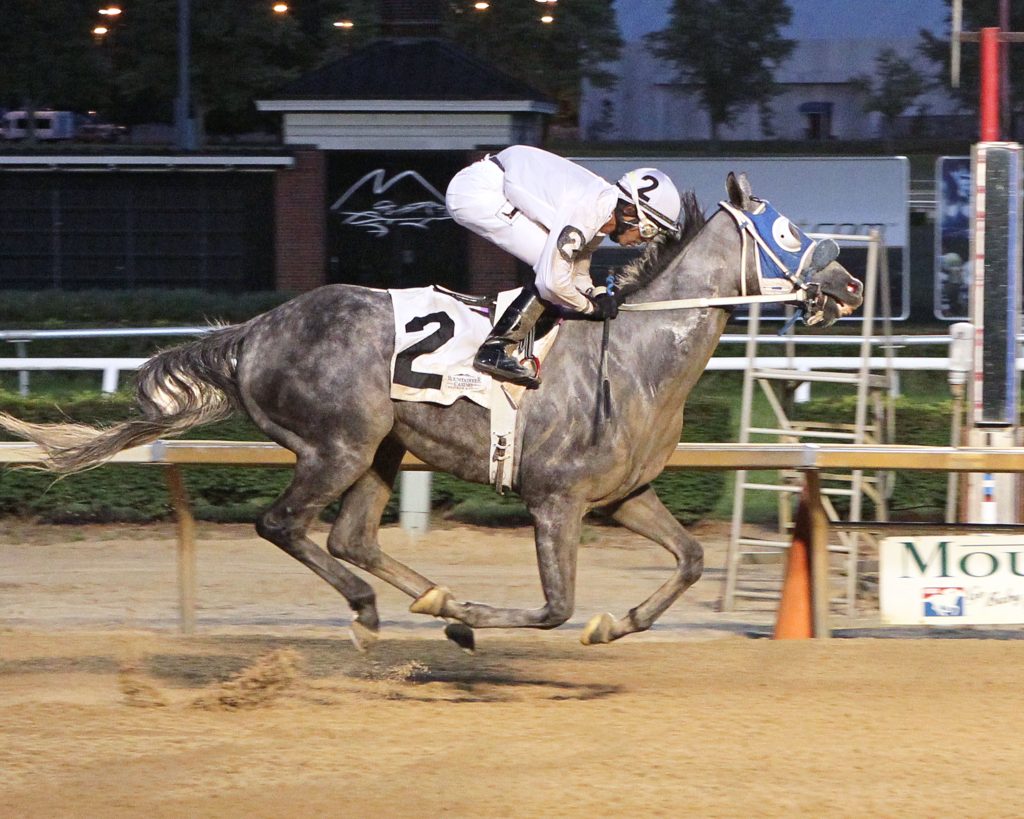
x,y
314,375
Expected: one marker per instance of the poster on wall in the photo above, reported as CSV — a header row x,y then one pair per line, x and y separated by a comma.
x,y
951,581
952,237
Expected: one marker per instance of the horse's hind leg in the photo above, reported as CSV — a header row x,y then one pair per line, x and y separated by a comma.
x,y
646,515
316,483
353,536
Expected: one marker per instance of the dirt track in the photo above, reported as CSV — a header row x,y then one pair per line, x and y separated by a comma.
x,y
269,711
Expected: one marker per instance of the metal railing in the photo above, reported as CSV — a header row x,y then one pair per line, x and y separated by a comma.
x,y
809,459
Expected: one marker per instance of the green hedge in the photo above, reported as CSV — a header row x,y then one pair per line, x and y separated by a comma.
x,y
916,495
44,309
61,310
219,493
132,493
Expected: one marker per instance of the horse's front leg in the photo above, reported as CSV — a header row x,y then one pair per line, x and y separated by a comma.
x,y
646,515
557,529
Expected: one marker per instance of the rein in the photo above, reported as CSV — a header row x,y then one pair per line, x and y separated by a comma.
x,y
723,301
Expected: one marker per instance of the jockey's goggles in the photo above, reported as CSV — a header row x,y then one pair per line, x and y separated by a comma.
x,y
648,229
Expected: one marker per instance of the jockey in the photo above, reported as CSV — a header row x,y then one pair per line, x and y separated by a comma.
x,y
552,214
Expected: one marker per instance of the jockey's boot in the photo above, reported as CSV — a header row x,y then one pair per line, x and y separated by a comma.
x,y
496,355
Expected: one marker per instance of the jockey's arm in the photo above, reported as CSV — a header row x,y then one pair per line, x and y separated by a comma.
x,y
563,271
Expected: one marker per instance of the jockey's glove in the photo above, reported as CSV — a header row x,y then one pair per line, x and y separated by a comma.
x,y
606,306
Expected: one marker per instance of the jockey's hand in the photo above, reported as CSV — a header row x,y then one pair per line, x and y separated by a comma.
x,y
606,306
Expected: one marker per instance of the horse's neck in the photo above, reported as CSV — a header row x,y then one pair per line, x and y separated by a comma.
x,y
709,267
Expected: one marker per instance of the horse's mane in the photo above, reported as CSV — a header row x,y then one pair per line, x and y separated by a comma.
x,y
642,271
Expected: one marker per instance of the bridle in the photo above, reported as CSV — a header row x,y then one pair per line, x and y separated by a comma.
x,y
775,265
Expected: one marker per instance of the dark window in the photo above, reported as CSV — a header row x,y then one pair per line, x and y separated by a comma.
x,y
131,230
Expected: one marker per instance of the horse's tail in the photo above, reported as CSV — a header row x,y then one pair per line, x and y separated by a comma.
x,y
176,390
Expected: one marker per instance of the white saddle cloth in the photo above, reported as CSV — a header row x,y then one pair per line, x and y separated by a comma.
x,y
436,338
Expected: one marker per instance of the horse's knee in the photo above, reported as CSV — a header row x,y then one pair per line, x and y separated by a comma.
x,y
363,555
691,562
280,533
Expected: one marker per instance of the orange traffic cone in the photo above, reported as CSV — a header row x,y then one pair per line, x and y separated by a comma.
x,y
793,620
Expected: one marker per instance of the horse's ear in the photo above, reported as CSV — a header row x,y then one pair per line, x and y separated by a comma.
x,y
738,188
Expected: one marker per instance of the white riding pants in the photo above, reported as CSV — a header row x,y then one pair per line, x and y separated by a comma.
x,y
476,200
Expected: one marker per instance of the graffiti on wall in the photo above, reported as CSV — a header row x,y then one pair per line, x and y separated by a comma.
x,y
377,205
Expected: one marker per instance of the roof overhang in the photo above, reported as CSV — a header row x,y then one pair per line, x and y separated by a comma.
x,y
98,162
384,106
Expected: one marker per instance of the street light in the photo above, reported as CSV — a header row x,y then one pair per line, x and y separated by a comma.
x,y
110,11
343,24
280,8
547,18
481,6
99,31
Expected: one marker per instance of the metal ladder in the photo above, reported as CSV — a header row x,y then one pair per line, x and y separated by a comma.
x,y
752,563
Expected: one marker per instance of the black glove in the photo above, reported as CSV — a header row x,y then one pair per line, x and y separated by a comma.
x,y
606,306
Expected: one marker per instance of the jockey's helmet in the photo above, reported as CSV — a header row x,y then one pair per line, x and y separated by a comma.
x,y
655,198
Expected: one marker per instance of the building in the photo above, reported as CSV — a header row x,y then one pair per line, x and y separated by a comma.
x,y
377,136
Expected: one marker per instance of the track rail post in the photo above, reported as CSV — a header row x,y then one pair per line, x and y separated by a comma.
x,y
186,549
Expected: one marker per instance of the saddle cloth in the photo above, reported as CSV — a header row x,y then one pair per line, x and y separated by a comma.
x,y
437,334
436,337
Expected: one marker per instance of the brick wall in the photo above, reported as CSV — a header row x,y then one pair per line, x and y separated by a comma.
x,y
490,269
300,225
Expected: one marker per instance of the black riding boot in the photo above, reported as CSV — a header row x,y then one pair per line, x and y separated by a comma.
x,y
496,355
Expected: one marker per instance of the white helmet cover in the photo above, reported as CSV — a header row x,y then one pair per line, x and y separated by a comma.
x,y
655,198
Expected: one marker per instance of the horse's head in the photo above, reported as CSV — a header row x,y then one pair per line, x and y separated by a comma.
x,y
787,259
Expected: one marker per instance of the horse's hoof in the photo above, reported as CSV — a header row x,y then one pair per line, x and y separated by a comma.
x,y
431,602
362,637
598,630
462,635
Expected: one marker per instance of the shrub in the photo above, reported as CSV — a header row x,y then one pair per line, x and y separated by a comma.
x,y
916,494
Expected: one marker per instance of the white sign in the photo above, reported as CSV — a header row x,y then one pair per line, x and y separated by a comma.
x,y
834,194
951,581
840,195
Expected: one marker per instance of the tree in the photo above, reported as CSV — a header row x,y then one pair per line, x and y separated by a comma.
x,y
240,49
895,86
50,57
728,49
554,58
977,14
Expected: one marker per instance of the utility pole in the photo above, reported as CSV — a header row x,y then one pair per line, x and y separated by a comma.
x,y
184,125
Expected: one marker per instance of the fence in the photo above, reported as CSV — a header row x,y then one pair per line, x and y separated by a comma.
x,y
809,459
111,368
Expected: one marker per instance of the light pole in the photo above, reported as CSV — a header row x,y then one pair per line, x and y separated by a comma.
x,y
184,125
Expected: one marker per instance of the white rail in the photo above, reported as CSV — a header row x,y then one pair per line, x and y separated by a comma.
x,y
111,368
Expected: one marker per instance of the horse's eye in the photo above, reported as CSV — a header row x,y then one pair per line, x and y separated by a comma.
x,y
786,235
